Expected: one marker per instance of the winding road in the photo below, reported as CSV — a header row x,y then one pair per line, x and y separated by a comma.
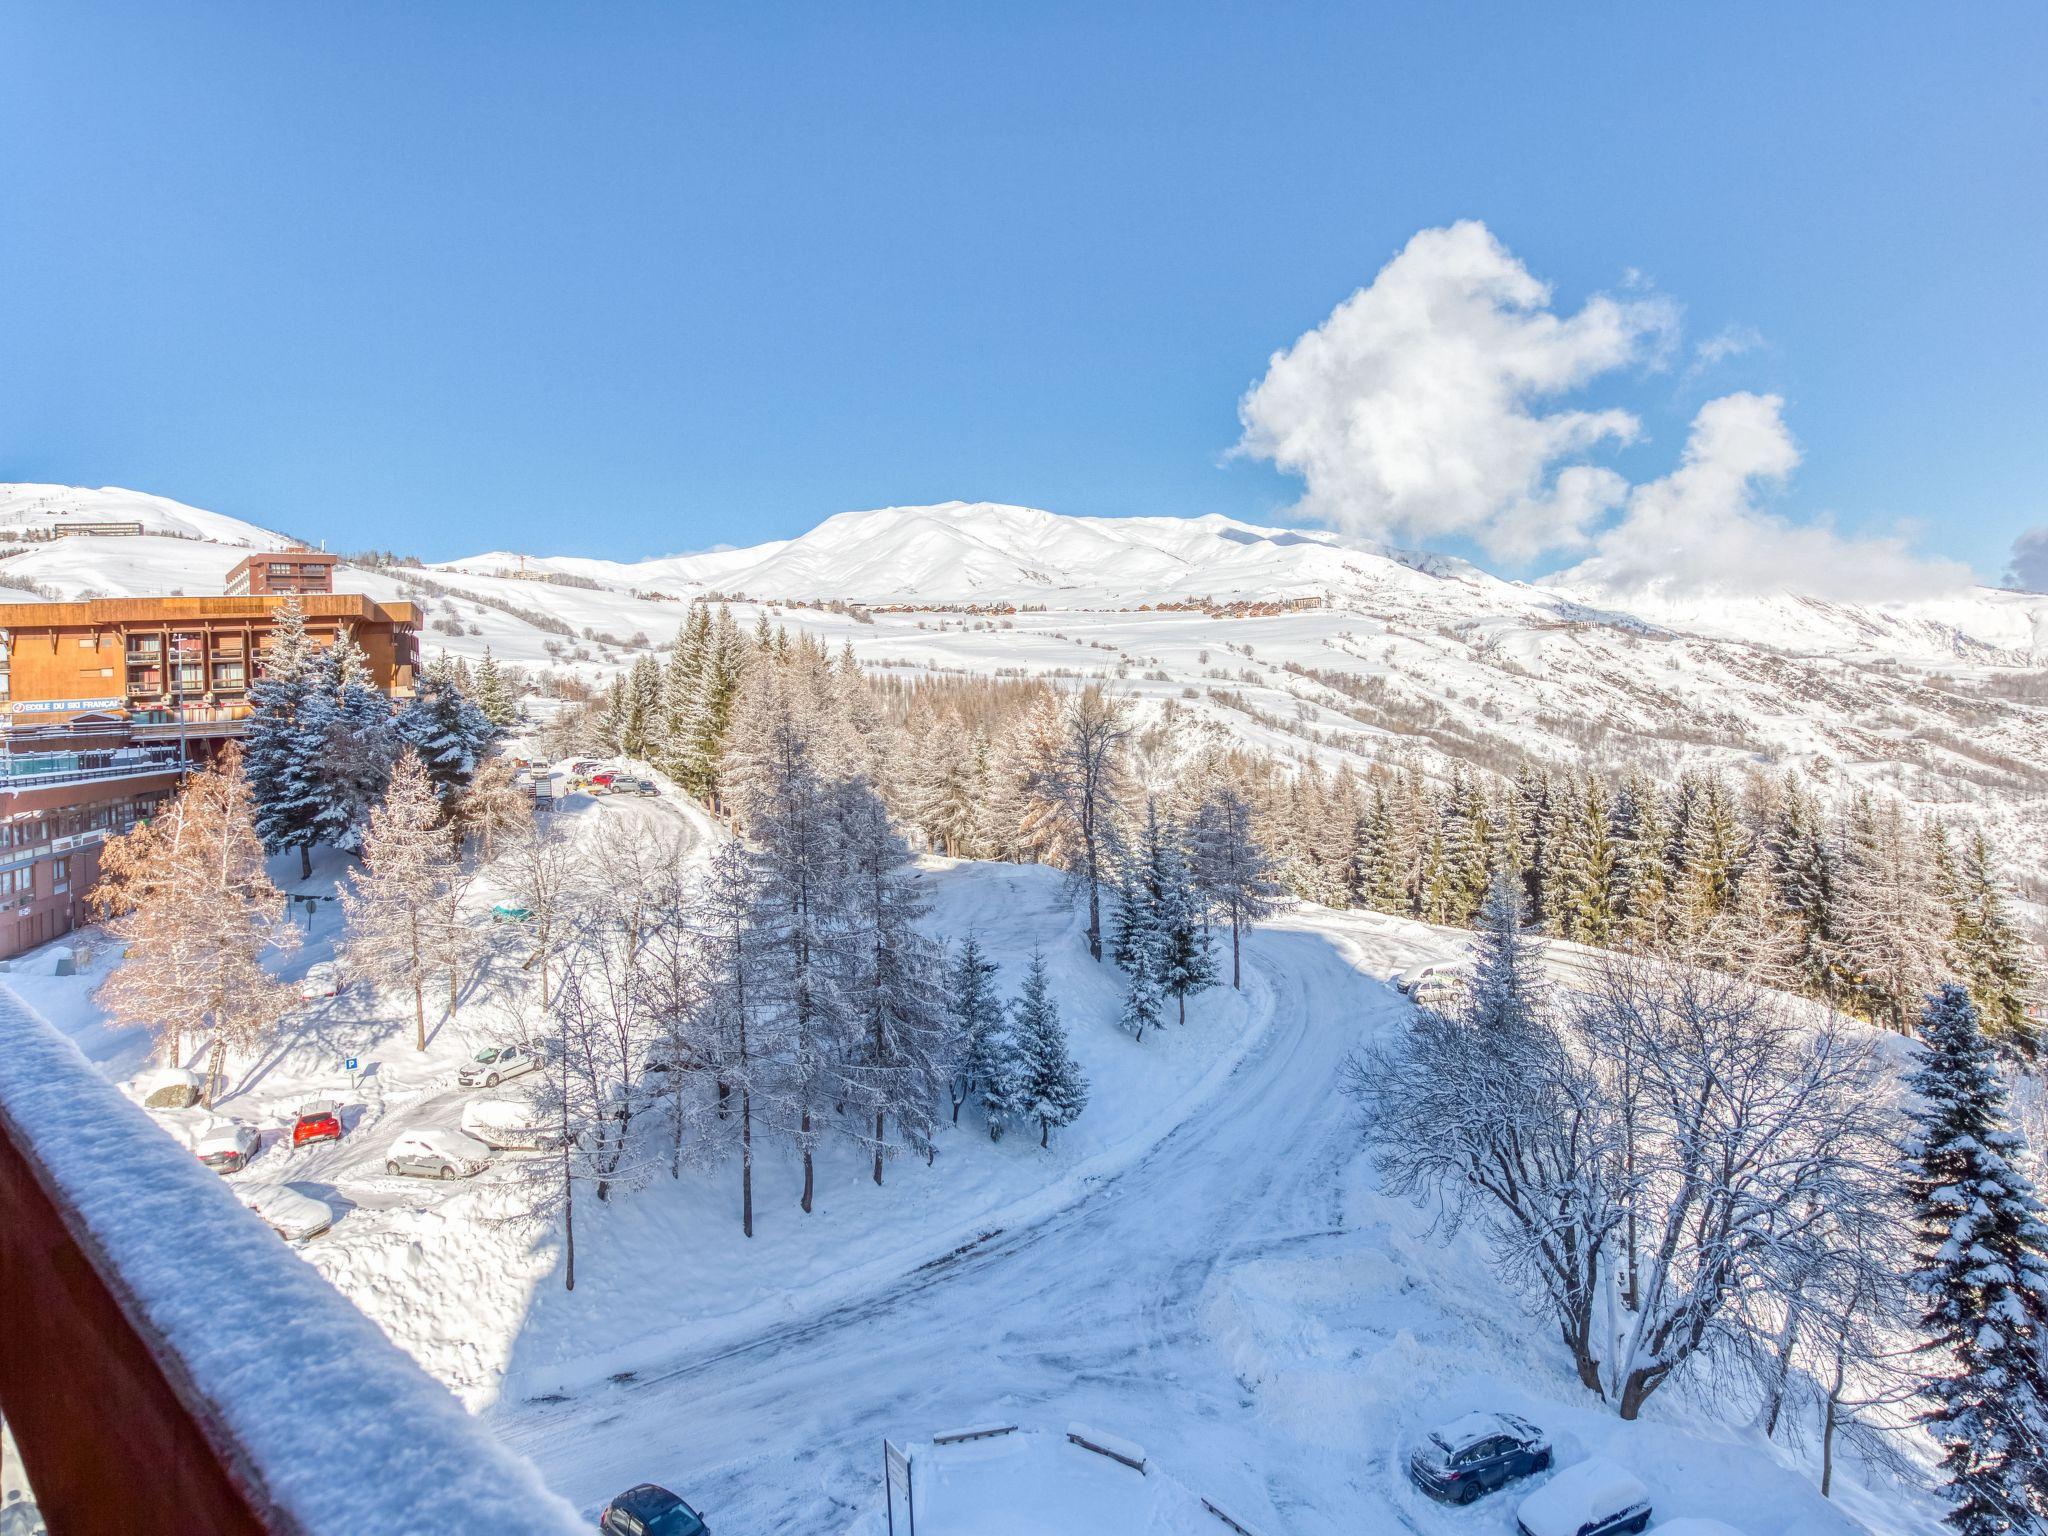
x,y
1094,1313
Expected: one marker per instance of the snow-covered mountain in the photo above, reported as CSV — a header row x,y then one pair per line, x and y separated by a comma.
x,y
1297,641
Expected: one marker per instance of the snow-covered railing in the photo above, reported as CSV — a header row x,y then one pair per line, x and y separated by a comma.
x,y
169,1364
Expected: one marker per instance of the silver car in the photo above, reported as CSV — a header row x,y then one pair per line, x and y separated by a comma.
x,y
437,1155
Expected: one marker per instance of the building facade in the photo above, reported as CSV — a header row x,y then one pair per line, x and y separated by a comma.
x,y
105,705
274,573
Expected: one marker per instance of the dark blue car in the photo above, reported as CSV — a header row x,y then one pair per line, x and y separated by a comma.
x,y
1476,1455
650,1510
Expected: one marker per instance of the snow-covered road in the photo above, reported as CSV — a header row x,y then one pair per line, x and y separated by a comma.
x,y
1093,1313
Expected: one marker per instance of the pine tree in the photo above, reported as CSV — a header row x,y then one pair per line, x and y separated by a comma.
x,y
1507,987
283,748
1187,963
1981,1251
1986,950
493,696
979,1038
446,731
358,743
1636,829
1233,871
1891,920
391,903
1049,1084
1145,1002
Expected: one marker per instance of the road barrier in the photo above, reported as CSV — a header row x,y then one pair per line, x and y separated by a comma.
x,y
1114,1447
1228,1518
979,1432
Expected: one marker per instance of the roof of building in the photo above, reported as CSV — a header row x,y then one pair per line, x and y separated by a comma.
x,y
99,612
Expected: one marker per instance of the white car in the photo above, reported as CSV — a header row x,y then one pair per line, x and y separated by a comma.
x,y
437,1154
509,1125
1593,1498
494,1063
226,1146
322,980
293,1216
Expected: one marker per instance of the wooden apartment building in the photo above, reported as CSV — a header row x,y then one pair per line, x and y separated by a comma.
x,y
104,705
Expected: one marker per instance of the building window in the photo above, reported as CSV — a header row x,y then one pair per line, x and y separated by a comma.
x,y
63,876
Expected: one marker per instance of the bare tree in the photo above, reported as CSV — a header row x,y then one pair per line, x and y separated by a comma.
x,y
394,901
195,910
546,871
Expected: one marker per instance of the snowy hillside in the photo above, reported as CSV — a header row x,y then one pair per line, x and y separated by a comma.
x,y
39,509
1299,642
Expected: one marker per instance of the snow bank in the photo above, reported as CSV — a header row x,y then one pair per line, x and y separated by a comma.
x,y
380,1445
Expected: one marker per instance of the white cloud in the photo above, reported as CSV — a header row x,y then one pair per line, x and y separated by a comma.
x,y
1724,344
2029,569
1416,409
1699,530
1430,404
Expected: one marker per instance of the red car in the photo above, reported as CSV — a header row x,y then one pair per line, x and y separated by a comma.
x,y
317,1122
604,780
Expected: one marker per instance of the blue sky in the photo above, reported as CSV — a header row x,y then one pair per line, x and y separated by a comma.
x,y
624,279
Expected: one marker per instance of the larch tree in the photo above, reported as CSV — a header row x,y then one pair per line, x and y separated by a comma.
x,y
1073,785
898,1057
195,911
393,902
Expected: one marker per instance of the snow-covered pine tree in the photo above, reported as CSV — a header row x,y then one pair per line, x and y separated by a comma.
x,y
1467,837
1986,950
1234,873
1145,1001
1507,989
195,911
894,994
391,901
446,731
358,743
1187,963
1637,831
1889,913
284,746
978,1036
1981,1248
1049,1085
493,695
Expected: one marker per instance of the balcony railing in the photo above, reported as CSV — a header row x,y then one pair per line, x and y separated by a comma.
x,y
39,770
185,1371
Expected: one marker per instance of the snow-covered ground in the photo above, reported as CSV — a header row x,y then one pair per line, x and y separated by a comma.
x,y
1203,1263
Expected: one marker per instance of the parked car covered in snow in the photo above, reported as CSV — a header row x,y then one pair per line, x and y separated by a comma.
x,y
317,1121
292,1214
650,1510
226,1147
494,1063
437,1154
509,1125
1476,1455
1592,1498
322,980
